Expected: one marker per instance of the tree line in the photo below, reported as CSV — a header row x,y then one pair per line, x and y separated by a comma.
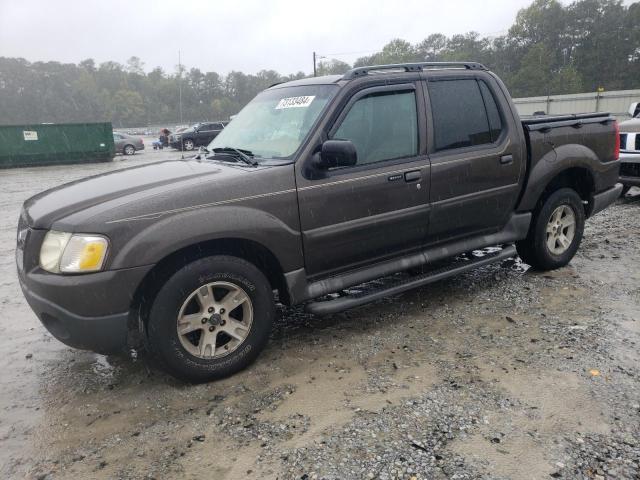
x,y
550,49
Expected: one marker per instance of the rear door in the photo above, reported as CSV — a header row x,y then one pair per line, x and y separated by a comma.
x,y
476,156
379,207
217,128
206,133
119,142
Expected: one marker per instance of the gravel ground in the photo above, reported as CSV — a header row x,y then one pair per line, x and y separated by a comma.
x,y
498,373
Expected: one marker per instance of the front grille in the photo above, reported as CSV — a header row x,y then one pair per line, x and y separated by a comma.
x,y
623,141
630,169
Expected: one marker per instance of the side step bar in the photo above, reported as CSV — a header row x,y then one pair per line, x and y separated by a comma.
x,y
343,303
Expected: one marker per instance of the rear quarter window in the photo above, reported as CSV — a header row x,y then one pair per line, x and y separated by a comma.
x,y
493,112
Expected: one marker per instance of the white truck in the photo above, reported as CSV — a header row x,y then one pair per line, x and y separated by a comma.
x,y
630,149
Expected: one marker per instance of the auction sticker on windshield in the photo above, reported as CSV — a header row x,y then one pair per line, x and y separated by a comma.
x,y
295,102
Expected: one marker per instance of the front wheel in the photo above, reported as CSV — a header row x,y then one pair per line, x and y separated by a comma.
x,y
556,231
188,144
211,318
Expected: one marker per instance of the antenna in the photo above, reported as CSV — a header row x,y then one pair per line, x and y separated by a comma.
x,y
180,86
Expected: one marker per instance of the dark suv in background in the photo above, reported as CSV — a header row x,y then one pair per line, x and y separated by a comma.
x,y
198,135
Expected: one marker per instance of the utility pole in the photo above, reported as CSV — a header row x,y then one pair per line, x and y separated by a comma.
x,y
315,73
180,86
180,99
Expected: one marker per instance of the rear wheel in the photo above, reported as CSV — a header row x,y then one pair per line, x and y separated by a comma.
x,y
556,231
211,318
188,144
129,150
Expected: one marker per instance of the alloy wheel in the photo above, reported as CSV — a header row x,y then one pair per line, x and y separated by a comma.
x,y
561,229
214,320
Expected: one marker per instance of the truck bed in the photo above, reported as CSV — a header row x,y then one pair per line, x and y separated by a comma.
x,y
590,130
584,141
573,117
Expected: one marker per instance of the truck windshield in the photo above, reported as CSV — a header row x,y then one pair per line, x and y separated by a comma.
x,y
274,123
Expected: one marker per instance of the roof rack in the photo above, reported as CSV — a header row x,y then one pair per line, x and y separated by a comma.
x,y
411,67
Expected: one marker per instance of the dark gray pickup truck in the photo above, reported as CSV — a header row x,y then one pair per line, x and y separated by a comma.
x,y
317,186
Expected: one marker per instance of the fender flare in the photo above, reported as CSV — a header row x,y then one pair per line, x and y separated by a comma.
x,y
552,164
169,234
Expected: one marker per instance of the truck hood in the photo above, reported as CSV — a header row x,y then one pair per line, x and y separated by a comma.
x,y
630,126
116,189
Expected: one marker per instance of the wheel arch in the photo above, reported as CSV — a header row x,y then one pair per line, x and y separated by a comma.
x,y
552,173
257,254
580,179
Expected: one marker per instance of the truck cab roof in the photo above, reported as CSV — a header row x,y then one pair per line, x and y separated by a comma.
x,y
382,69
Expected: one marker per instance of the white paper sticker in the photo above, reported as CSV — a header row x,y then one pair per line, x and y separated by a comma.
x,y
295,102
30,135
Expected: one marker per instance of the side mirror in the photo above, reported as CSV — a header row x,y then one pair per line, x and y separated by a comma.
x,y
337,153
634,109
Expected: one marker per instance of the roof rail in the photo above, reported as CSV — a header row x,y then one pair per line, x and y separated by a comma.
x,y
411,67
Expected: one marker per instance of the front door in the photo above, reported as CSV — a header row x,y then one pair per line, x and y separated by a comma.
x,y
379,207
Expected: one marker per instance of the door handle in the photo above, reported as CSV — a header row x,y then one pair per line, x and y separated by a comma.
x,y
506,160
413,176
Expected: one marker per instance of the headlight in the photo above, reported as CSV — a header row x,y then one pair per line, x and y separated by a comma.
x,y
72,253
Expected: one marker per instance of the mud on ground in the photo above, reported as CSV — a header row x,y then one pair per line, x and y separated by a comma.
x,y
499,373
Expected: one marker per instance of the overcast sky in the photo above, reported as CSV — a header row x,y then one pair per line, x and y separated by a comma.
x,y
227,35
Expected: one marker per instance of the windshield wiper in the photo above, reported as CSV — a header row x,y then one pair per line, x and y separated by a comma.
x,y
243,155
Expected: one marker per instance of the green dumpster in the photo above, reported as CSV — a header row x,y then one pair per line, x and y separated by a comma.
x,y
46,144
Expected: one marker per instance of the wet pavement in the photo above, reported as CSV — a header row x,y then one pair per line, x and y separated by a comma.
x,y
498,373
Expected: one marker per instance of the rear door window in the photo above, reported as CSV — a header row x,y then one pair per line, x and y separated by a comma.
x,y
459,114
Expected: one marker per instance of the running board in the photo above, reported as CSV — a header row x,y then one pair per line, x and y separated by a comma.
x,y
361,298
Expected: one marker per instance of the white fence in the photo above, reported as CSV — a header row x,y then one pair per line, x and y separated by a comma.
x,y
615,102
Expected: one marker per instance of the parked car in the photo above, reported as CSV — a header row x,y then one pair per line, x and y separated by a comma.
x,y
630,150
127,144
196,136
318,185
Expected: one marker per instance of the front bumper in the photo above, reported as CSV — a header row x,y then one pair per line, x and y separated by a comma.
x,y
630,157
630,169
102,334
88,311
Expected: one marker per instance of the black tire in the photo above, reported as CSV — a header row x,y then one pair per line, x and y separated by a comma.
x,y
534,249
188,144
163,340
625,190
129,150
